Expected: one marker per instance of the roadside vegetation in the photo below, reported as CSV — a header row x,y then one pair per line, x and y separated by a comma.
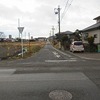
x,y
13,50
91,47
66,41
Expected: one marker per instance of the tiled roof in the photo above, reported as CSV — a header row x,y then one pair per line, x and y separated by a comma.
x,y
92,27
67,32
97,18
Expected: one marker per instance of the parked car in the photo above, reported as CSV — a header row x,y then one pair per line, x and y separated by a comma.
x,y
77,46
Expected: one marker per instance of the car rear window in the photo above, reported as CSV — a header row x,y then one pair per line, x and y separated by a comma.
x,y
78,43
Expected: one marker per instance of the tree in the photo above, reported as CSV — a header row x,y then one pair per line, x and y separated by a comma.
x,y
18,39
91,43
2,36
64,40
78,36
90,40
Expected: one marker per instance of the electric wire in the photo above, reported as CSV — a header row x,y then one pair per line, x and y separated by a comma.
x,y
67,6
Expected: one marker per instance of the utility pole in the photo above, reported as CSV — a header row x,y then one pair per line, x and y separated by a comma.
x,y
57,11
59,18
50,36
53,32
29,42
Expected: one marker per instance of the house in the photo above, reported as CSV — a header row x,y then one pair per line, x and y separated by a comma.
x,y
41,39
93,30
68,33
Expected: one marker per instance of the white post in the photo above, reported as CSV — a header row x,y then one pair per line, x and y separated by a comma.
x,y
22,43
21,30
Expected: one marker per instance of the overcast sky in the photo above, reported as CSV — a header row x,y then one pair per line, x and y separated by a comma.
x,y
38,17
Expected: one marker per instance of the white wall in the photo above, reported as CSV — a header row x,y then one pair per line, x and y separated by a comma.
x,y
92,33
96,32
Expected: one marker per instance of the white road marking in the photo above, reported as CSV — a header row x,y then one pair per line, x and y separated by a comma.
x,y
68,55
56,54
60,61
73,58
43,77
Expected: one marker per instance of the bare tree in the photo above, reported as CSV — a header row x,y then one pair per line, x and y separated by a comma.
x,y
2,36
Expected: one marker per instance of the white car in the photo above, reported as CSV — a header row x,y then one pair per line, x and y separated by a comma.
x,y
77,46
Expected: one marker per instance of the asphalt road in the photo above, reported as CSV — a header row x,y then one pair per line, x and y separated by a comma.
x,y
49,70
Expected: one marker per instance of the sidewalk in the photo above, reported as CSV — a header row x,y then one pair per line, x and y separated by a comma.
x,y
91,56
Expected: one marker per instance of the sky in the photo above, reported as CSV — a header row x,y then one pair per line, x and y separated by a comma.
x,y
38,16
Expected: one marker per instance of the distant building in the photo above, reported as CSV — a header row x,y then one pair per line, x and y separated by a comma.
x,y
41,39
31,37
70,35
10,36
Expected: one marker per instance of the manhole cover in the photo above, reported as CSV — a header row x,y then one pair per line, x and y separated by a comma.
x,y
60,95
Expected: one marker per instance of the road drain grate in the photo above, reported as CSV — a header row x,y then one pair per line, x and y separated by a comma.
x,y
60,95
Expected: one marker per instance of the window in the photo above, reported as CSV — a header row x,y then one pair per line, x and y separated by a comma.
x,y
95,36
78,43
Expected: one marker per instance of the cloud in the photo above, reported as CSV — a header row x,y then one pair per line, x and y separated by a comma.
x,y
81,14
38,16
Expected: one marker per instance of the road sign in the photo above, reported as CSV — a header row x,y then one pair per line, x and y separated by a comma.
x,y
20,29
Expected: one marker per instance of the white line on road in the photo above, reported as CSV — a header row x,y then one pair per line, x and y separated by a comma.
x,y
73,58
43,77
63,53
56,54
60,61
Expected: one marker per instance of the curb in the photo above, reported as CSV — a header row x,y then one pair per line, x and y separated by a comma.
x,y
87,58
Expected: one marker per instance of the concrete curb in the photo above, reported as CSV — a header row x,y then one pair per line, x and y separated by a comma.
x,y
86,58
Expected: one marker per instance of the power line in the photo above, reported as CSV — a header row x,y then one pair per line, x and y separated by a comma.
x,y
64,9
67,6
61,2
